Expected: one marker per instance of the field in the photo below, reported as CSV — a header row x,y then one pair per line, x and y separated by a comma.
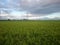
x,y
30,32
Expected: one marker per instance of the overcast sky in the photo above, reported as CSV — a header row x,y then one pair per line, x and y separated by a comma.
x,y
36,9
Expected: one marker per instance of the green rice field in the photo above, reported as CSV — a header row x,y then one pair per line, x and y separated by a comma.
x,y
30,32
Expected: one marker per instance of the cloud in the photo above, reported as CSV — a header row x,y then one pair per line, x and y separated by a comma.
x,y
35,7
41,6
32,6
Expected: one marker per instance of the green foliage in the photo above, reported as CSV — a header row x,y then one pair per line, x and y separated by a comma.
x,y
29,32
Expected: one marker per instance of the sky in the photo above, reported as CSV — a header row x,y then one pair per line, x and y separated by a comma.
x,y
30,9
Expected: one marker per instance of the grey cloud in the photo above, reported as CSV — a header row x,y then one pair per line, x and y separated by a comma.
x,y
3,18
32,6
47,10
41,6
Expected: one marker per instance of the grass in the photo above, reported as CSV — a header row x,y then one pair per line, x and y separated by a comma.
x,y
29,32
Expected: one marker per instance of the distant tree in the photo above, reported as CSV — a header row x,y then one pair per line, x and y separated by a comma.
x,y
8,19
25,19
